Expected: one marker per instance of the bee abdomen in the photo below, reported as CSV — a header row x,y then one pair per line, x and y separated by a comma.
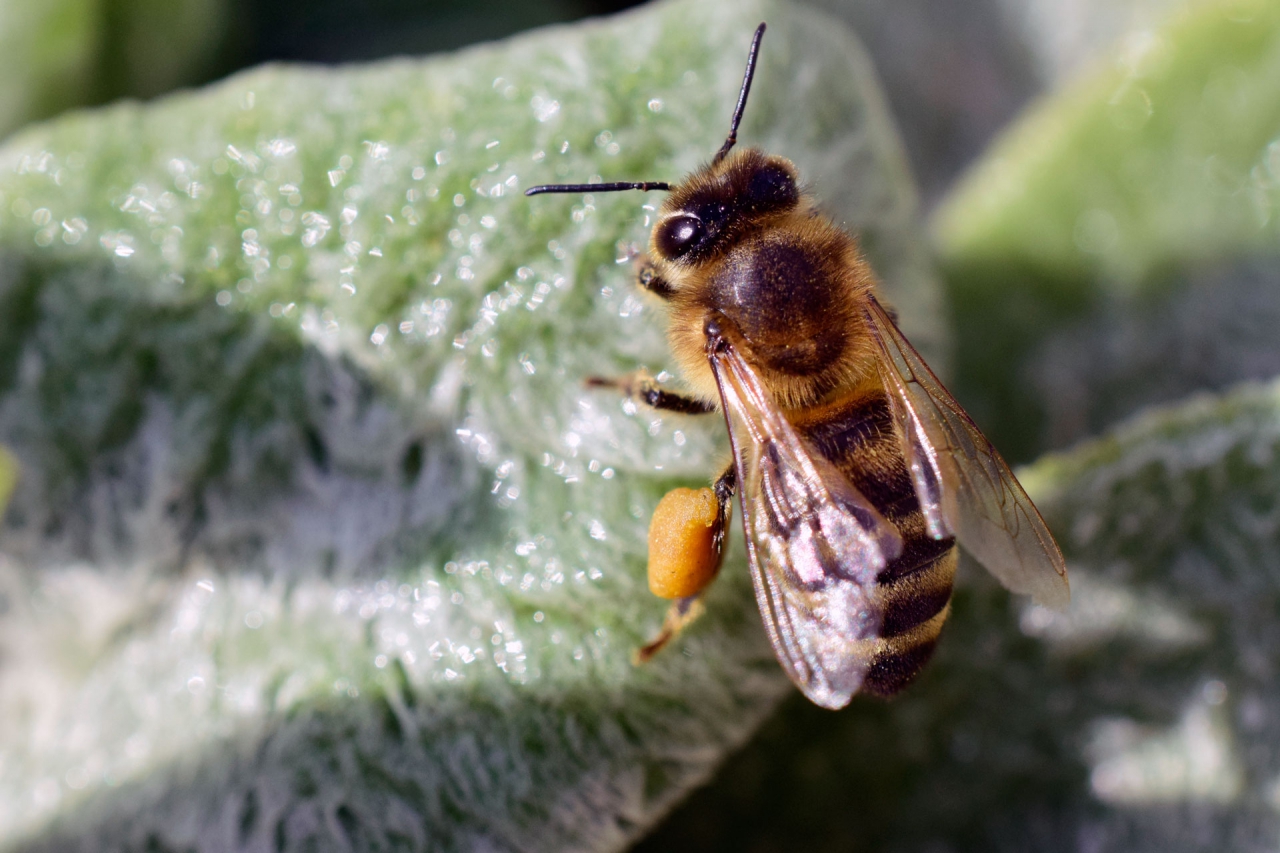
x,y
857,435
902,658
914,601
916,605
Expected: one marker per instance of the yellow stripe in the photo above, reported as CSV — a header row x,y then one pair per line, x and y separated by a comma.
x,y
936,578
873,649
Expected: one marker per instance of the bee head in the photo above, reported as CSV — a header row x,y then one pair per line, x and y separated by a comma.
x,y
708,211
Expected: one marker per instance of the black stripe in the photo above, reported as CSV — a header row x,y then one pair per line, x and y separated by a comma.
x,y
919,553
911,609
867,421
893,671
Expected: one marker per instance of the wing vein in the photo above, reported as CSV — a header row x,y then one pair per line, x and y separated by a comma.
x,y
815,544
981,501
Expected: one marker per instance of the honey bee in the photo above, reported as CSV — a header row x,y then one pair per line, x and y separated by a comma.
x,y
856,471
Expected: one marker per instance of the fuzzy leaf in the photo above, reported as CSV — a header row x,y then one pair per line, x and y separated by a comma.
x,y
321,541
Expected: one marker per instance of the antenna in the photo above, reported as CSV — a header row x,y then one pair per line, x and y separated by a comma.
x,y
646,186
643,186
742,96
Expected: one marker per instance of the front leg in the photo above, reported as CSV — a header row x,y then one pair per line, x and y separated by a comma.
x,y
686,547
647,276
642,387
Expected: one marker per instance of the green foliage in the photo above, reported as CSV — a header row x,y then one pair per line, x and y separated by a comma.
x,y
1109,202
8,478
58,54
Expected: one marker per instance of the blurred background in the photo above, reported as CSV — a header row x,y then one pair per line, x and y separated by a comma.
x,y
955,73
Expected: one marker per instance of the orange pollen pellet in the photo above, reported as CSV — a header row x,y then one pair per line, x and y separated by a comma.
x,y
682,552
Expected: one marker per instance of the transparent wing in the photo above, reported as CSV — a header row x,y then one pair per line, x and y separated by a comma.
x,y
965,488
815,544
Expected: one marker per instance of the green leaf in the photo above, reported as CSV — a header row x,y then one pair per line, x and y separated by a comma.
x,y
1143,718
321,539
1137,189
1129,169
8,478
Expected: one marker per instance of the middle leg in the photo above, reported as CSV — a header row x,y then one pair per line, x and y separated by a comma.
x,y
641,386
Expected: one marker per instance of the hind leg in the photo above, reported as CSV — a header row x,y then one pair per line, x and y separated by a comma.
x,y
686,548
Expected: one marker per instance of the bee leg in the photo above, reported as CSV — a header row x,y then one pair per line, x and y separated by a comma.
x,y
643,387
724,487
686,547
680,614
648,278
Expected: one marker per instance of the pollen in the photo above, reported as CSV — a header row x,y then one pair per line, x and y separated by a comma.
x,y
682,550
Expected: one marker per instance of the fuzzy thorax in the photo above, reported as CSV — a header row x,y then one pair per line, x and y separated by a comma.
x,y
793,288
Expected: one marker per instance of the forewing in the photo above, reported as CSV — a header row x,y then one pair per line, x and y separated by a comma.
x,y
815,544
965,488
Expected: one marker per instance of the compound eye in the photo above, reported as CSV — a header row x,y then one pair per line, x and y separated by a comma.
x,y
679,234
772,187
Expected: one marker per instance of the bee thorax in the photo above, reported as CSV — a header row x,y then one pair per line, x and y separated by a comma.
x,y
784,299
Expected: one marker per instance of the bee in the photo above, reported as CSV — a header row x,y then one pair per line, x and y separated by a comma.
x,y
857,473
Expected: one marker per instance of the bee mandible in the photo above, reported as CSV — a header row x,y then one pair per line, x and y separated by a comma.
x,y
856,471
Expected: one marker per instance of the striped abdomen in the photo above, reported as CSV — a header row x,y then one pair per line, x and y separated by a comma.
x,y
856,434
